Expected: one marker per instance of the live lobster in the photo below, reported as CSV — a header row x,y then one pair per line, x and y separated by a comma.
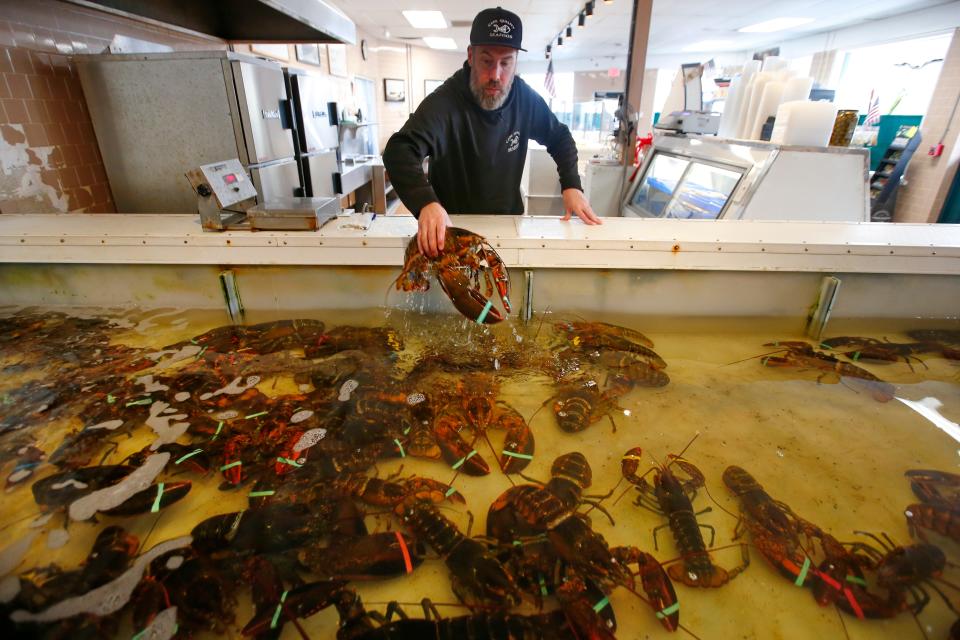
x,y
458,268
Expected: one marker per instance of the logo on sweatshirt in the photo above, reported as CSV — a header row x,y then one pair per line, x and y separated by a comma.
x,y
513,141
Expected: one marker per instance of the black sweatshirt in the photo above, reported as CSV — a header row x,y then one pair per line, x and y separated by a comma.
x,y
476,156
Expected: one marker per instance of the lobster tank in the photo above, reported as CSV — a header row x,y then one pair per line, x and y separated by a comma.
x,y
709,294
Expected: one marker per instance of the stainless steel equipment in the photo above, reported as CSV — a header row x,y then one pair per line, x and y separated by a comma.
x,y
251,20
293,214
156,116
317,140
225,195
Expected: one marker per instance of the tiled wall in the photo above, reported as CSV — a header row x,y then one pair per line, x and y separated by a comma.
x,y
49,155
929,179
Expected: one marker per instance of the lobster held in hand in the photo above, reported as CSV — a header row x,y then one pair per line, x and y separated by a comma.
x,y
464,259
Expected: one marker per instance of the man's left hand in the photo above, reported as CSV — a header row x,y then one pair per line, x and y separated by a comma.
x,y
575,202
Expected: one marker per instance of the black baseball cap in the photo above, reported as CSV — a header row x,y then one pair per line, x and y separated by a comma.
x,y
497,27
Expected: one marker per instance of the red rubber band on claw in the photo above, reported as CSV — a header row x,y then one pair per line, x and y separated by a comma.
x,y
853,603
830,581
408,564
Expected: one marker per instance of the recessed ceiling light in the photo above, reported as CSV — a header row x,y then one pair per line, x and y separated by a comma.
x,y
425,19
708,45
777,24
440,43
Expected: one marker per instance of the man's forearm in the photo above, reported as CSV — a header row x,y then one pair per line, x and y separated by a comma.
x,y
563,150
405,167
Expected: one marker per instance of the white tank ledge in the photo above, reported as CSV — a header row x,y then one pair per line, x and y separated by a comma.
x,y
522,241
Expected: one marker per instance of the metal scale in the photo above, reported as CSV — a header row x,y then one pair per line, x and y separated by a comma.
x,y
226,201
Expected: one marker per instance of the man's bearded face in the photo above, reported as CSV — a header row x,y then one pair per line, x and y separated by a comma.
x,y
492,70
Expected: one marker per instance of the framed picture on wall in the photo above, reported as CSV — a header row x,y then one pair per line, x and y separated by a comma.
x,y
337,54
309,53
278,51
429,86
394,90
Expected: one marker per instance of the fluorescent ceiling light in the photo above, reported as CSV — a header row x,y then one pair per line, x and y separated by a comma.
x,y
708,45
425,19
440,43
777,24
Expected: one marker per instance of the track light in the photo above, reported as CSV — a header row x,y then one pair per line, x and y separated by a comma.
x,y
559,41
547,53
588,10
569,32
607,1
581,20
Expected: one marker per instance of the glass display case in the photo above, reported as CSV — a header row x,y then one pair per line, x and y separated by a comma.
x,y
708,178
676,187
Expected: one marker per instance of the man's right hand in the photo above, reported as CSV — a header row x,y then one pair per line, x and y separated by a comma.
x,y
432,231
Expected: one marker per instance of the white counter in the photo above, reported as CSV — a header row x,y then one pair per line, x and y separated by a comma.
x,y
526,242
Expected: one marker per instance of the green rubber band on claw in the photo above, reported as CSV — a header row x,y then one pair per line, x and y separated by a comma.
x,y
400,446
522,456
219,427
857,580
292,463
803,573
138,402
449,492
255,415
483,314
235,463
602,604
156,501
260,494
459,463
669,611
189,455
543,585
276,614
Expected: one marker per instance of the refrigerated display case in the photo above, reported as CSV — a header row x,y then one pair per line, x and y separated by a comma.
x,y
694,177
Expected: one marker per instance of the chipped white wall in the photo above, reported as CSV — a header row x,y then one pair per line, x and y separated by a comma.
x,y
22,186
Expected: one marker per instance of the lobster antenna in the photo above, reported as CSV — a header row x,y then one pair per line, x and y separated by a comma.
x,y
625,491
719,506
684,450
380,603
543,317
292,617
655,461
18,520
916,619
143,545
762,355
846,634
538,409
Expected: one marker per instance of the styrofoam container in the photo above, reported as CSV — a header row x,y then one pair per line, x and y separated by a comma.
x,y
804,123
769,101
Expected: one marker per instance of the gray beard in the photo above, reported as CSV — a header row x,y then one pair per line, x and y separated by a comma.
x,y
489,103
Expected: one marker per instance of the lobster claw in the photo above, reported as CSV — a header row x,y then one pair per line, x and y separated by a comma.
x,y
467,299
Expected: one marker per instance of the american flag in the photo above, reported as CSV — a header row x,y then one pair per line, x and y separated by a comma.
x,y
548,81
873,111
